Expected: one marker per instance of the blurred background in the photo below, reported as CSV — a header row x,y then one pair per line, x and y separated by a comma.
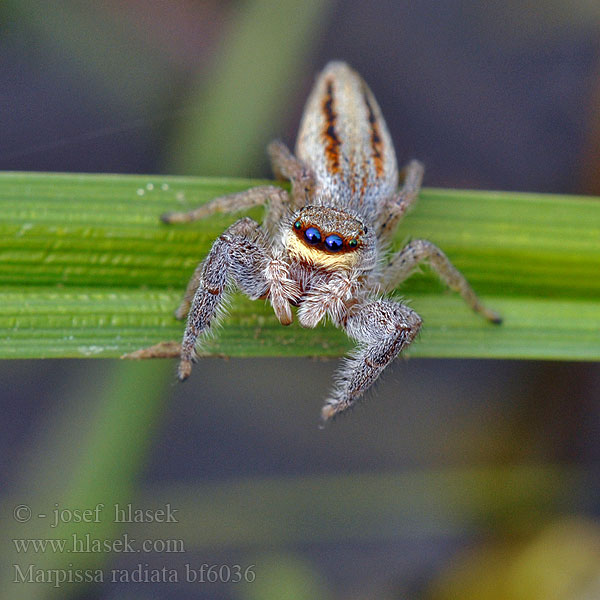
x,y
457,479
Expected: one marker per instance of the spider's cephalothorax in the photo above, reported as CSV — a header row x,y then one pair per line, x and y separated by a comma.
x,y
319,247
330,238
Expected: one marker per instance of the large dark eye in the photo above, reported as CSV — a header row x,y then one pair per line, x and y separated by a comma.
x,y
334,242
312,235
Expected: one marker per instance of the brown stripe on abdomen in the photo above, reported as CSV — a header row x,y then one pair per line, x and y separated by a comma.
x,y
376,142
332,141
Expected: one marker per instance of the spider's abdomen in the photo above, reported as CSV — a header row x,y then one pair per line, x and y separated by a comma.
x,y
343,138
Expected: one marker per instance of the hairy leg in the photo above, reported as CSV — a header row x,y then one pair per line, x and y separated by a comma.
x,y
276,198
181,312
238,256
382,328
286,166
403,263
397,206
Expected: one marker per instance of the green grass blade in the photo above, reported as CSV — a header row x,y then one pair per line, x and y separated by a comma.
x,y
87,269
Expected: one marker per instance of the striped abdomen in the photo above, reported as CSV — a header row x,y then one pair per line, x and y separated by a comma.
x,y
345,141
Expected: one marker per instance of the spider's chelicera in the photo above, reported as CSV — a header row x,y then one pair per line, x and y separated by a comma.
x,y
322,248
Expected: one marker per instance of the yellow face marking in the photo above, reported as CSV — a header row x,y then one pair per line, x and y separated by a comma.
x,y
319,258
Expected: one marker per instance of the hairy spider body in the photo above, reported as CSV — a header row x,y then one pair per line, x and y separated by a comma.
x,y
320,248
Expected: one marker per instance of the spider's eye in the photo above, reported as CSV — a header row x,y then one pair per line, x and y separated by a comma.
x,y
334,242
353,243
297,225
312,235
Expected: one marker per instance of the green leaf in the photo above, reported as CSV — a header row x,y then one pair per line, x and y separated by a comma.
x,y
87,269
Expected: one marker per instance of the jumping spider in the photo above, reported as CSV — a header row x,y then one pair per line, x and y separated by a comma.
x,y
321,249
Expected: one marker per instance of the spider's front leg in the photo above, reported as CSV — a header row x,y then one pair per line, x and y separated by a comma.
x,y
383,328
278,205
240,255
